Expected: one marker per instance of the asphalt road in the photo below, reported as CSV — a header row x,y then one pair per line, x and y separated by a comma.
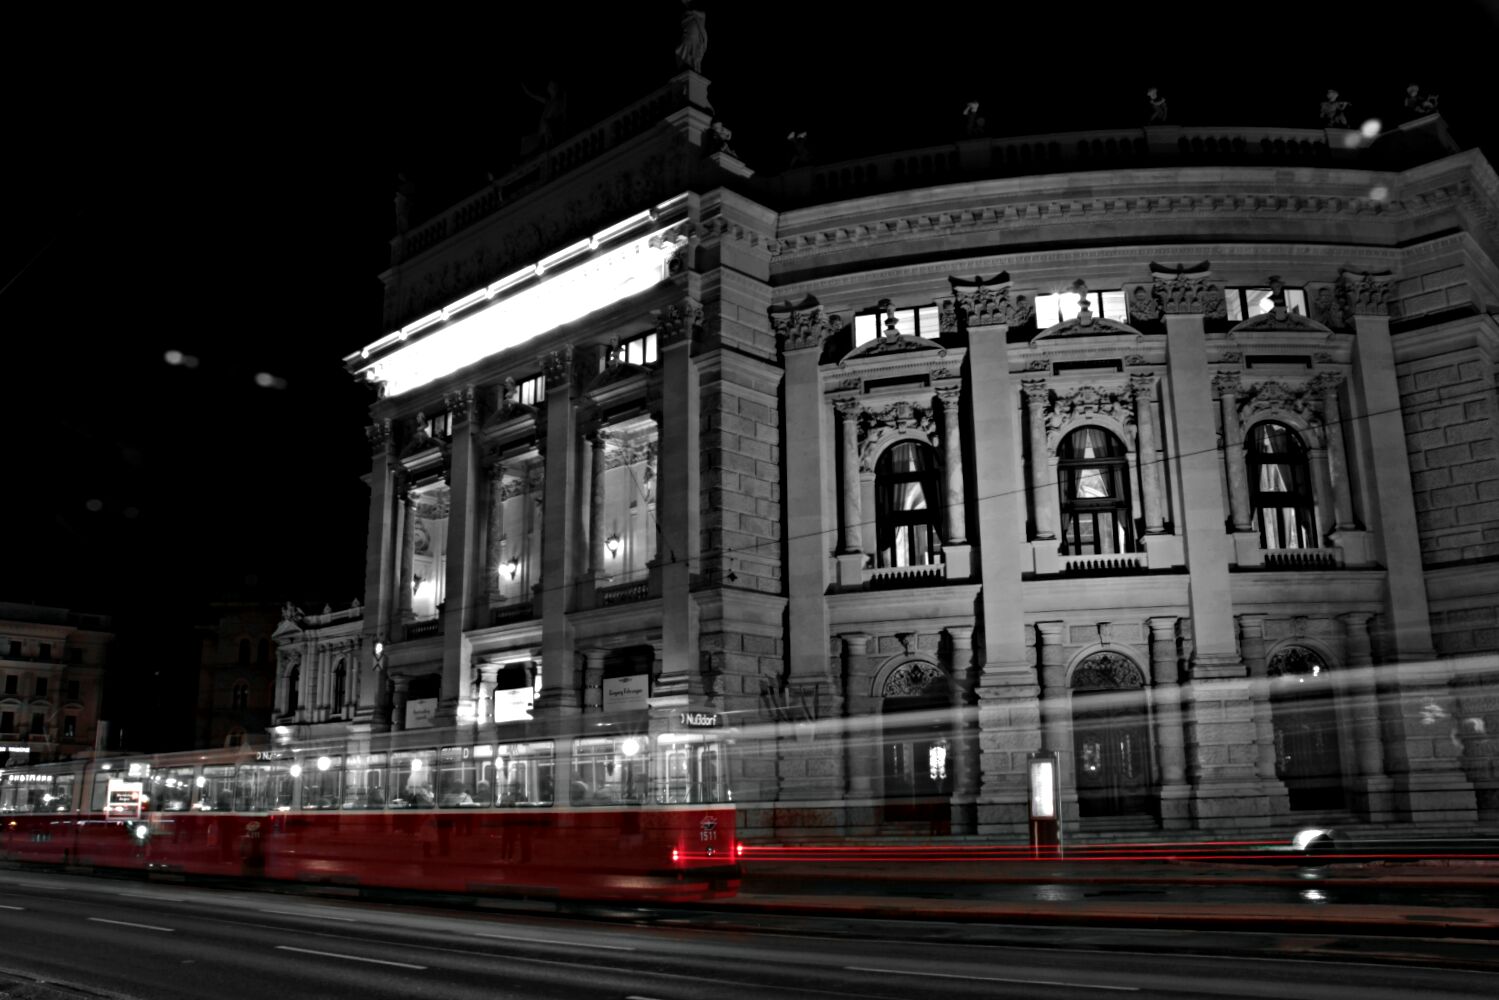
x,y
163,941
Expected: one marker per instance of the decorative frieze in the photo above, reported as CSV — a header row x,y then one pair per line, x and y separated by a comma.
x,y
676,323
1114,402
915,677
557,366
1107,672
899,417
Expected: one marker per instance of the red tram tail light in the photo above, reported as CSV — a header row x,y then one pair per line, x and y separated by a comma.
x,y
676,855
739,852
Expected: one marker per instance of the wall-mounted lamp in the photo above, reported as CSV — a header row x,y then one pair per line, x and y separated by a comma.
x,y
514,566
612,544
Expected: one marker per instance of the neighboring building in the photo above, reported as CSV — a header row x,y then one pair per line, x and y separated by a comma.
x,y
1168,450
236,674
52,666
317,681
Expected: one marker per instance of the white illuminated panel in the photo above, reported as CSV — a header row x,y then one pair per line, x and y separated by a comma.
x,y
1043,789
551,301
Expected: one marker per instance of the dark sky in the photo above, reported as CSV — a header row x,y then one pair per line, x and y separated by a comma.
x,y
223,188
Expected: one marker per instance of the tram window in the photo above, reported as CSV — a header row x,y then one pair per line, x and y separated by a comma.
x,y
524,773
263,787
100,795
457,778
364,782
689,770
170,789
216,794
609,771
62,793
321,777
20,786
411,779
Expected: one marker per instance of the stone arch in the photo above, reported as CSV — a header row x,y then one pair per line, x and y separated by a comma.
x,y
1313,744
1104,662
1125,432
909,674
1308,427
872,447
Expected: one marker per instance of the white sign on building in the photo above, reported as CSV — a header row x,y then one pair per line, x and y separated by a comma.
x,y
513,704
420,712
623,694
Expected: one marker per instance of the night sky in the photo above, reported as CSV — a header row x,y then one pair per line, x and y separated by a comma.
x,y
223,189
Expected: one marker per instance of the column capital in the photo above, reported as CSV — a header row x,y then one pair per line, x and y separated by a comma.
x,y
1251,626
1356,619
848,406
986,303
1366,293
949,394
1226,384
1037,391
1050,632
678,324
961,636
1163,627
803,327
1143,385
557,366
1187,290
381,441
1326,383
856,643
463,404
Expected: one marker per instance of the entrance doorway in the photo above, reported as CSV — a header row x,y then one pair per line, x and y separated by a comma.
x,y
1111,738
917,747
1307,756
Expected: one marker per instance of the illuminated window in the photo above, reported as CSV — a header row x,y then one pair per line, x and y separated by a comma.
x,y
1093,474
628,518
1280,489
531,392
906,504
440,426
638,350
921,321
1246,303
1063,306
429,547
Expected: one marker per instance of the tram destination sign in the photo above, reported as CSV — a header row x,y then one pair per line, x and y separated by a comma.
x,y
700,720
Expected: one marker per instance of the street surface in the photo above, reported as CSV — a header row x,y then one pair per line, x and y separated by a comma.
x,y
161,940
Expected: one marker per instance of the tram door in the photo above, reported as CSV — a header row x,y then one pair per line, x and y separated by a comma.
x,y
917,760
1111,743
691,770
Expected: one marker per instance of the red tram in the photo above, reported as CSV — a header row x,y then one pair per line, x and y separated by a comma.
x,y
636,818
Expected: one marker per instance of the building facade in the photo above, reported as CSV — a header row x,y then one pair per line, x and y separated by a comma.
x,y
1167,451
236,674
52,666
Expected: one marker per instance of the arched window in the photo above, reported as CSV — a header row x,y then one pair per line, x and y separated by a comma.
x,y
340,679
1093,473
239,697
1280,487
907,505
244,651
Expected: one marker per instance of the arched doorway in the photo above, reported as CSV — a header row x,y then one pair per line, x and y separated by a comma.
x,y
1307,756
1111,738
917,745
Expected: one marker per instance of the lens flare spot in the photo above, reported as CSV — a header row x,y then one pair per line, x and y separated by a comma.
x,y
174,357
1370,128
94,505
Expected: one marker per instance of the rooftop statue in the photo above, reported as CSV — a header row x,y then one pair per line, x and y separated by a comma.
x,y
801,154
1334,111
1157,107
404,191
694,44
1420,103
973,122
553,115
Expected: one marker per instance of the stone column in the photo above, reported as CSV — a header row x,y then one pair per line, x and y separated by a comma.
x,y
1372,796
1226,386
408,542
1043,485
1165,671
1143,387
862,748
1056,711
679,506
806,471
952,465
398,703
598,552
965,757
560,530
1337,457
1252,645
593,680
1429,785
459,610
488,675
496,553
1009,715
381,558
849,484
1316,461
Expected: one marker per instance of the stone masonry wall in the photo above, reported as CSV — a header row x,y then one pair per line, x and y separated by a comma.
x,y
1450,436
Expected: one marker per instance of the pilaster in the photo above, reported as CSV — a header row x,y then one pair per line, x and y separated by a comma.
x,y
559,534
1165,673
460,606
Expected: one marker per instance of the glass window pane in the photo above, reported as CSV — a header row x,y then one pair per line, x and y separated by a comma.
x,y
321,777
523,773
216,793
610,771
1046,311
1068,306
866,328
1257,301
411,779
457,778
1113,306
1235,309
650,348
928,324
364,782
1296,300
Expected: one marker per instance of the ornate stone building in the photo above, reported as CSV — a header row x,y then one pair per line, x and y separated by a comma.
x,y
1168,450
52,667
